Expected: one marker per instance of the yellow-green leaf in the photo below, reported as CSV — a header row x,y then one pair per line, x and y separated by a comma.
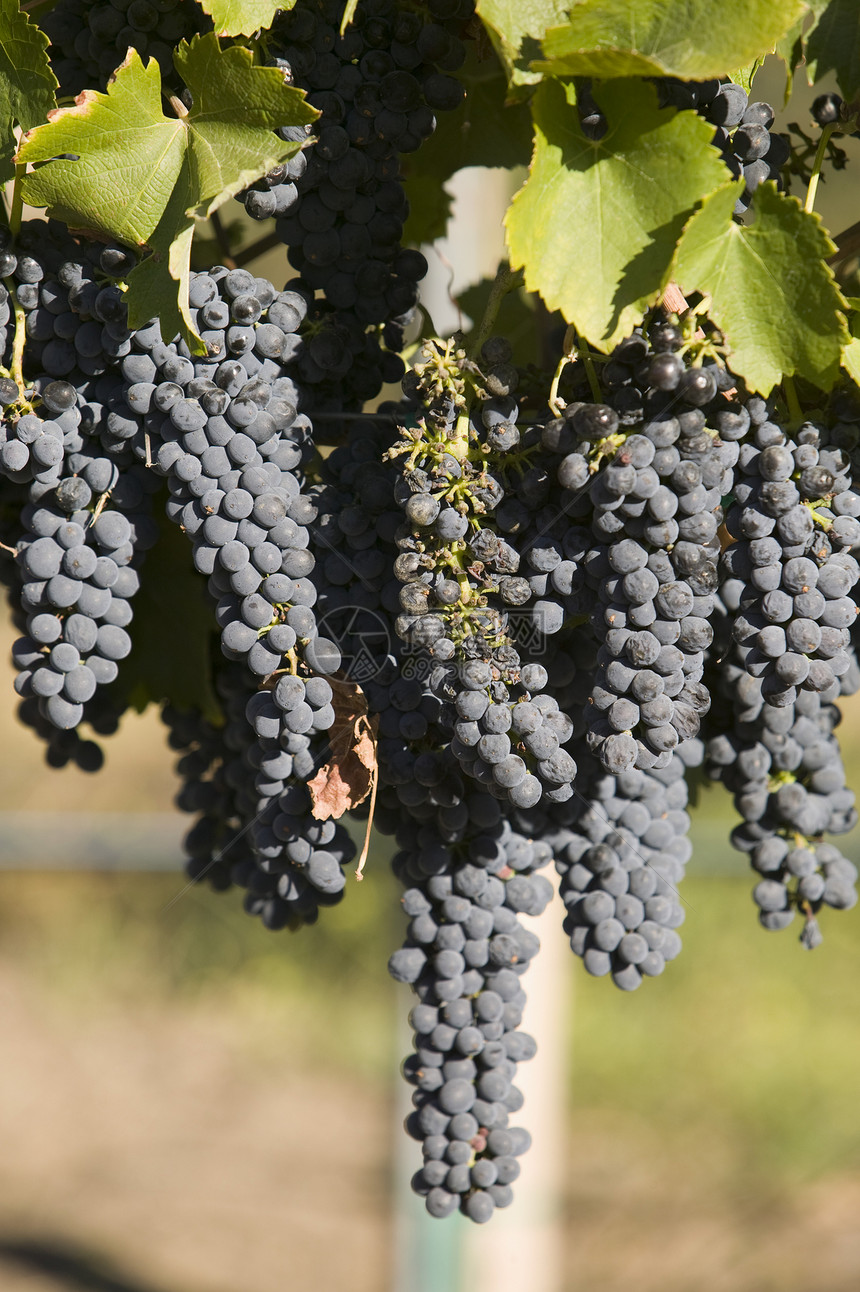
x,y
851,359
128,157
243,17
27,83
699,38
596,225
833,45
773,295
516,28
115,165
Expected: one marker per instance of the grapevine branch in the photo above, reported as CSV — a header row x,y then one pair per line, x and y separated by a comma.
x,y
847,244
506,280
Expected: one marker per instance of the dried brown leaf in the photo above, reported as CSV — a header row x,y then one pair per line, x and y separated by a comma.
x,y
347,778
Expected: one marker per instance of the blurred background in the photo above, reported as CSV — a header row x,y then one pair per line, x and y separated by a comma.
x,y
191,1104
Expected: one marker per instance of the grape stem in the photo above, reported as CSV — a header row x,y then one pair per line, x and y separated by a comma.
x,y
812,188
506,280
574,348
374,784
348,15
568,349
17,364
100,505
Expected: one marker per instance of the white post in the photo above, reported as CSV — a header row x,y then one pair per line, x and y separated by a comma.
x,y
523,1246
427,1252
473,246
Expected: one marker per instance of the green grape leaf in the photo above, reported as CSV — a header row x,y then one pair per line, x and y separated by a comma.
x,y
243,17
117,167
171,606
27,84
851,359
699,38
483,131
516,28
851,351
744,76
773,296
596,224
790,50
348,14
124,157
158,286
833,45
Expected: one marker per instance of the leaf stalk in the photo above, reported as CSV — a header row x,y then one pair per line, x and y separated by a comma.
x,y
820,151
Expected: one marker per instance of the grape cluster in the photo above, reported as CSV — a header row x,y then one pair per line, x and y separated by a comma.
x,y
786,585
654,491
341,207
92,40
621,860
742,130
87,519
225,433
460,580
464,952
78,582
255,828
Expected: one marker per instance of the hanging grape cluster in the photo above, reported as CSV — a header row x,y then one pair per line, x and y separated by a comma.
x,y
505,616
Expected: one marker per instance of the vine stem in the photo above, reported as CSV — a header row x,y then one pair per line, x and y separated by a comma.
x,y
812,189
506,280
100,505
567,346
257,248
